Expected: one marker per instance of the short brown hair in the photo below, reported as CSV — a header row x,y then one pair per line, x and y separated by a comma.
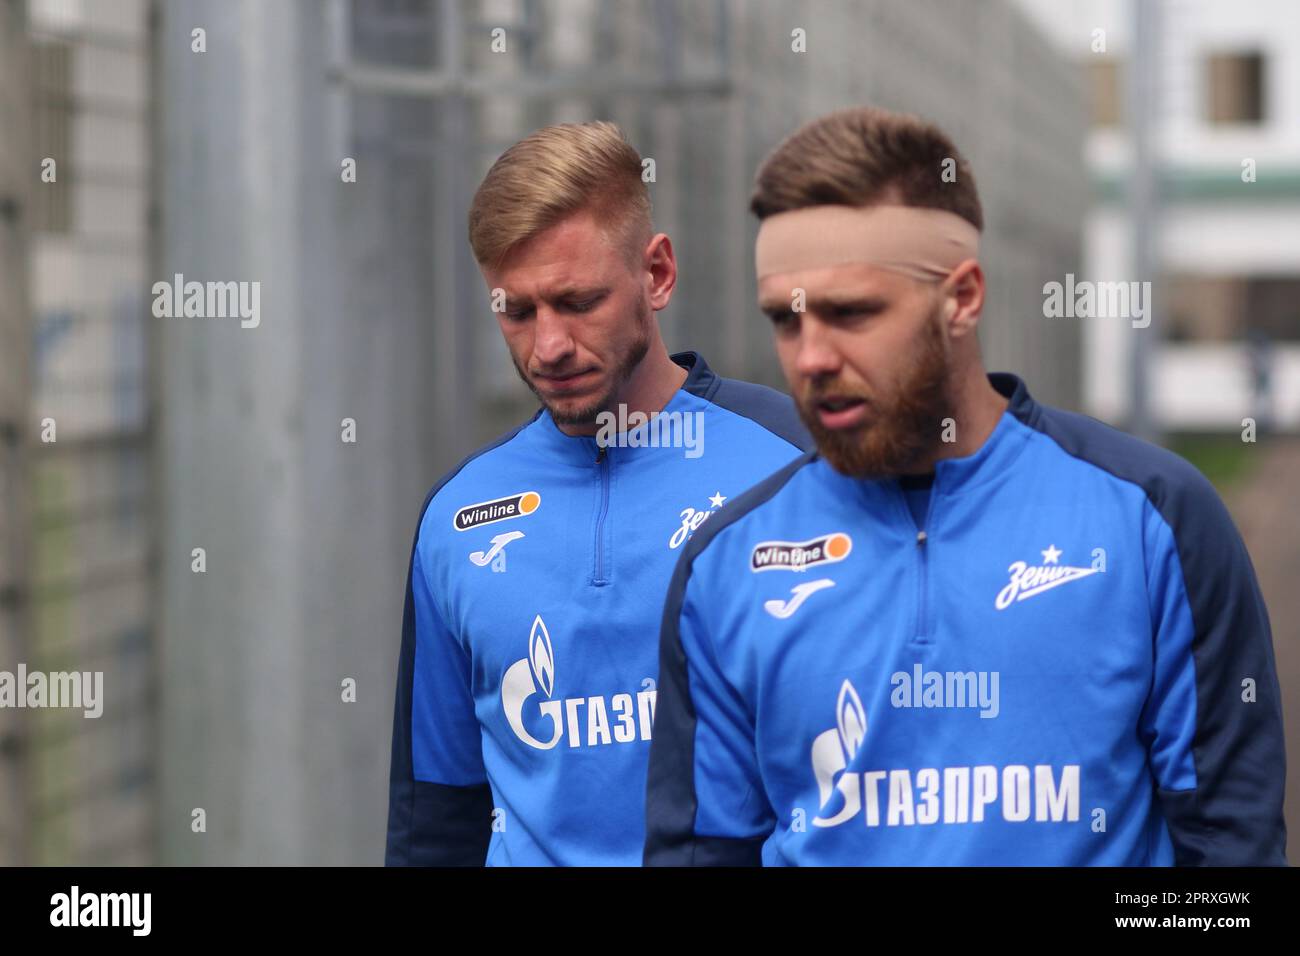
x,y
865,156
551,174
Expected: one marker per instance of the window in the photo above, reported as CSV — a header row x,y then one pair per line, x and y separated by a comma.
x,y
1105,93
1228,308
1235,88
52,208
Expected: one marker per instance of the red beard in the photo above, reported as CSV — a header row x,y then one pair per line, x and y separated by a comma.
x,y
904,427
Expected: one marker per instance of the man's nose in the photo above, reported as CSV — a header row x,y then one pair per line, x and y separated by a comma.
x,y
818,355
552,343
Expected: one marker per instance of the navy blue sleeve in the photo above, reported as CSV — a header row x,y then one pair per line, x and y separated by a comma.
x,y
705,804
1213,723
1212,624
705,800
439,801
434,824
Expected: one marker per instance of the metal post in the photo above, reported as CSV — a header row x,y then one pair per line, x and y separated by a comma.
x,y
1143,63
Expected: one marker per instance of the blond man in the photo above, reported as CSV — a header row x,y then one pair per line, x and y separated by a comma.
x,y
527,677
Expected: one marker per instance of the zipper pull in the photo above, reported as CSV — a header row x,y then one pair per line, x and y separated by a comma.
x,y
920,538
600,454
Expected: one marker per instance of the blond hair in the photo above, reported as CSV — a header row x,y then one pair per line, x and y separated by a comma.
x,y
551,174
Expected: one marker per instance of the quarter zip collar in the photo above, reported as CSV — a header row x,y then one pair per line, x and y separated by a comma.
x,y
584,450
700,380
958,476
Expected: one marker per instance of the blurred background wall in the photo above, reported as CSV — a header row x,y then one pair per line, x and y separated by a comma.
x,y
15,346
88,785
186,440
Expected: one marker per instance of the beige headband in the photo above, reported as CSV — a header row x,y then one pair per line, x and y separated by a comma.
x,y
920,242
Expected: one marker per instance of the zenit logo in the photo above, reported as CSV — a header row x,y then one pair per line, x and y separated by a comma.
x,y
486,512
1028,580
800,555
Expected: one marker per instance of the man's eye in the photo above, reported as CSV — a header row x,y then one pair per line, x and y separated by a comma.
x,y
585,305
517,315
782,320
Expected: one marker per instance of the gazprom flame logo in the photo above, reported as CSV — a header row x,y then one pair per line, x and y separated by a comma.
x,y
852,720
847,784
522,681
833,751
528,687
541,657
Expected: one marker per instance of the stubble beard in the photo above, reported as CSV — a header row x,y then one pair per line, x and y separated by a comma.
x,y
624,367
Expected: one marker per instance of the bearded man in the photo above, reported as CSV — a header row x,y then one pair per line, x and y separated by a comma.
x,y
969,629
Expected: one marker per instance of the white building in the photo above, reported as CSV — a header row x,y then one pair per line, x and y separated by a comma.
x,y
1227,239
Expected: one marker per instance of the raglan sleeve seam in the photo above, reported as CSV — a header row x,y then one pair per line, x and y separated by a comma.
x,y
766,427
1151,553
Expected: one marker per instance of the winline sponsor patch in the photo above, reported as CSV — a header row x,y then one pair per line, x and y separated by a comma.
x,y
800,555
499,509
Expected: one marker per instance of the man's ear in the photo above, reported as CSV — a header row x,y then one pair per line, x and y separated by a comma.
x,y
662,271
964,298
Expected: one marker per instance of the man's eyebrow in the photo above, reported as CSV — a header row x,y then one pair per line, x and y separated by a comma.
x,y
780,305
569,292
840,299
775,306
519,301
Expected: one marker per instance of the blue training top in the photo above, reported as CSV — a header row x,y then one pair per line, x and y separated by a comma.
x,y
526,684
1070,663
